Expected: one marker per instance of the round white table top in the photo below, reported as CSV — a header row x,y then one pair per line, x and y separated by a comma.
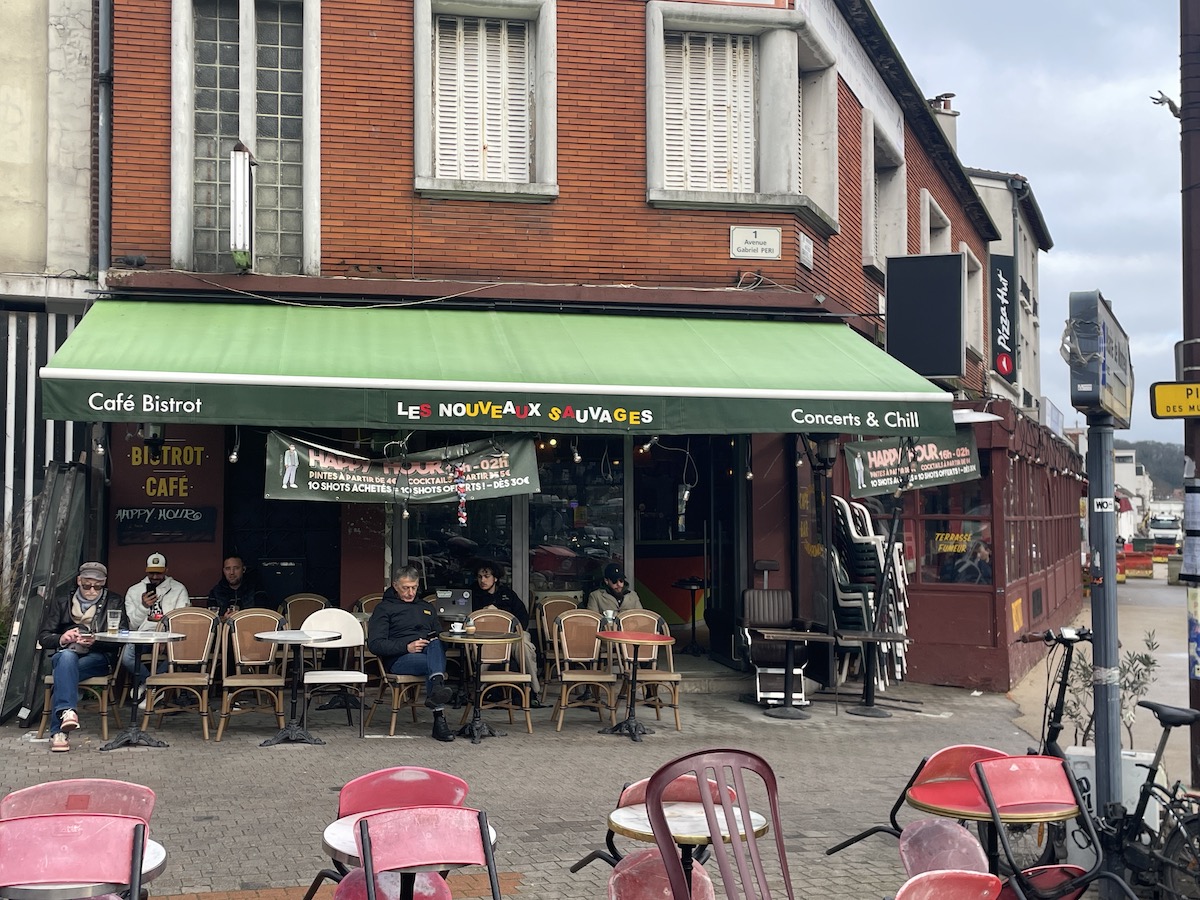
x,y
686,820
139,637
338,839
480,637
297,636
154,861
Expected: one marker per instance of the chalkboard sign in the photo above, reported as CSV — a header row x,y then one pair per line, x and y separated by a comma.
x,y
166,524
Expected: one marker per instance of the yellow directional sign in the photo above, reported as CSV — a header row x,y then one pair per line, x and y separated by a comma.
x,y
1175,400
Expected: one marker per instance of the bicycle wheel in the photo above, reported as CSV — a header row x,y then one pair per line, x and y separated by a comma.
x,y
1032,845
1181,851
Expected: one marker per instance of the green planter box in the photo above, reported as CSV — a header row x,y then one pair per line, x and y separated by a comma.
x,y
1143,545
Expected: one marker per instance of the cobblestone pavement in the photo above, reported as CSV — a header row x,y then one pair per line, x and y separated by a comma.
x,y
237,817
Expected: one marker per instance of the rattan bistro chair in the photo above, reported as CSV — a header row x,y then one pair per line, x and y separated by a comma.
x,y
191,664
577,655
504,683
254,666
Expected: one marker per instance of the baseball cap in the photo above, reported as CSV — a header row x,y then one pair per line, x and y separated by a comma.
x,y
156,562
613,572
94,570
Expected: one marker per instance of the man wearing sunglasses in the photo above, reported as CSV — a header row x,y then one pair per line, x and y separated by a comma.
x,y
68,631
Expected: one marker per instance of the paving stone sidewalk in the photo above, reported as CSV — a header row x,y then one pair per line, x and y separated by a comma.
x,y
239,819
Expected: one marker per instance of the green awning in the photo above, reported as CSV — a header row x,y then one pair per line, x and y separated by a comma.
x,y
280,365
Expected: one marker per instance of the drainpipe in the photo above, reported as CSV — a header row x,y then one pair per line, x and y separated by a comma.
x,y
104,82
1020,190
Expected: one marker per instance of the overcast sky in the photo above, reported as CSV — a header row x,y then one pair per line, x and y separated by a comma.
x,y
1058,91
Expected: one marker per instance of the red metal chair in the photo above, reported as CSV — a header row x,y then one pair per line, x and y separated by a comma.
x,y
1039,788
88,848
415,843
392,788
951,884
738,856
928,845
80,795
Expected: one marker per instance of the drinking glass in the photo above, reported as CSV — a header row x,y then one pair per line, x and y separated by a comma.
x,y
114,621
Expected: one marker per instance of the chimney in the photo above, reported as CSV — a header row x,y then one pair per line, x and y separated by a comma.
x,y
945,117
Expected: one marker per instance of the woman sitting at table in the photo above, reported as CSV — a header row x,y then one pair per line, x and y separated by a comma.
x,y
488,592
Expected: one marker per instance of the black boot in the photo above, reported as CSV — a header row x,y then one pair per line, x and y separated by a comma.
x,y
439,692
441,731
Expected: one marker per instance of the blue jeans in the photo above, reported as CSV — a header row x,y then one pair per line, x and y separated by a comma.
x,y
69,669
428,663
127,654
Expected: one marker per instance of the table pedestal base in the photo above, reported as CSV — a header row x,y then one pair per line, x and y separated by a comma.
x,y
630,726
786,712
693,650
477,730
340,700
134,737
869,712
293,731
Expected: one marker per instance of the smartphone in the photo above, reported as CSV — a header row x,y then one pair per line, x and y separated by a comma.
x,y
432,634
83,629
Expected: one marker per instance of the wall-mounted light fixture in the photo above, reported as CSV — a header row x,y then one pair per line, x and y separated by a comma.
x,y
237,443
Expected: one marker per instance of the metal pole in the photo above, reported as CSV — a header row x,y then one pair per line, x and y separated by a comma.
x,y
1189,106
1102,530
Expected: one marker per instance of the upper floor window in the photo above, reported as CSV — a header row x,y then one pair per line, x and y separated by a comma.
x,y
735,101
485,112
935,226
884,205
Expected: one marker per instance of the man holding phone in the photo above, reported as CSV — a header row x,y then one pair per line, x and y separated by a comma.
x,y
67,630
146,602
403,633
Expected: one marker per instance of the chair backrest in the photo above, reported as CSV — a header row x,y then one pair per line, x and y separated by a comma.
x,y
575,637
401,786
1036,785
80,795
951,884
682,790
495,620
554,606
199,628
339,620
424,838
767,608
367,602
299,607
930,844
247,651
84,848
648,621
738,856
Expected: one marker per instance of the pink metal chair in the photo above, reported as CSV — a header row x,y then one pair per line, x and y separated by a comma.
x,y
88,848
642,876
928,845
399,786
80,795
416,842
950,884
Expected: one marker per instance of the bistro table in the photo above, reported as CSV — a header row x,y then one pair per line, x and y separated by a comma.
x,y
636,640
133,735
688,824
154,861
294,730
790,637
693,585
477,729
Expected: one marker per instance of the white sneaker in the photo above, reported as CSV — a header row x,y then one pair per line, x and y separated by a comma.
x,y
70,720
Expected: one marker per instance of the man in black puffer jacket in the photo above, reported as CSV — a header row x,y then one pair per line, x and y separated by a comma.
x,y
402,632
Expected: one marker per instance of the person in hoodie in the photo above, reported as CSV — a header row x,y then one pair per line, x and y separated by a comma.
x,y
402,632
145,604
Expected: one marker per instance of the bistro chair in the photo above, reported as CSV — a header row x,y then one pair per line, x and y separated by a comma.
x,y
742,870
367,602
682,789
408,843
338,681
1041,788
253,669
929,844
404,691
507,686
391,789
549,608
951,884
80,795
942,779
191,664
87,849
100,687
298,607
577,657
657,678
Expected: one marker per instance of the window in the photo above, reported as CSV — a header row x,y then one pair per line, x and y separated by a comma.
x,y
737,107
935,226
975,332
883,197
485,117
249,75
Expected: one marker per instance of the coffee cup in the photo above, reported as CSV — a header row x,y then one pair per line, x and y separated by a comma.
x,y
456,627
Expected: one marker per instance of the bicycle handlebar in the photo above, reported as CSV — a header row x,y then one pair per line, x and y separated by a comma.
x,y
1062,636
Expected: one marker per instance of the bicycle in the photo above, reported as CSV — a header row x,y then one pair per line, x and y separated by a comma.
x,y
1166,858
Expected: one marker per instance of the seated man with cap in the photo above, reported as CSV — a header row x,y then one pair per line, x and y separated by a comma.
x,y
615,596
67,629
146,602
